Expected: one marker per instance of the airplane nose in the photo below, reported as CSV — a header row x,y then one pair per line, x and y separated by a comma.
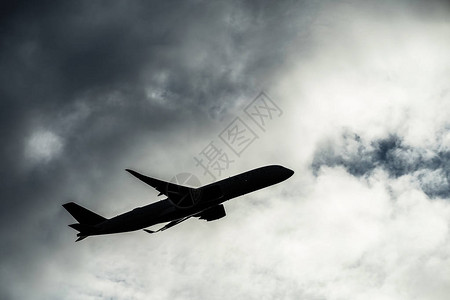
x,y
288,172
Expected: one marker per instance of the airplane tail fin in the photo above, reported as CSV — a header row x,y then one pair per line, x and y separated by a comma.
x,y
83,215
81,227
86,218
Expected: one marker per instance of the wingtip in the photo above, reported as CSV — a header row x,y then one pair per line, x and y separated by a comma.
x,y
136,174
132,172
65,205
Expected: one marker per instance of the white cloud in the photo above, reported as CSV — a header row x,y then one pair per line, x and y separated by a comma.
x,y
374,238
43,146
373,74
333,236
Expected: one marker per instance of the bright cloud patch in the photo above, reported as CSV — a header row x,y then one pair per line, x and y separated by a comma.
x,y
43,146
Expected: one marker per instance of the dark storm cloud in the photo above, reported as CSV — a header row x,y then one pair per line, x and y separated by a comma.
x,y
391,154
82,82
84,85
96,72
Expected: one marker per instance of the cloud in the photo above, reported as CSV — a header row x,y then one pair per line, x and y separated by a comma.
x,y
89,89
42,146
428,167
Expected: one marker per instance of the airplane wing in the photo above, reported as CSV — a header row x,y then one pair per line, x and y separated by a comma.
x,y
181,196
173,223
210,214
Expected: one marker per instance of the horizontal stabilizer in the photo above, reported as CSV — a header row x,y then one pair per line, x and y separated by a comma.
x,y
83,215
81,238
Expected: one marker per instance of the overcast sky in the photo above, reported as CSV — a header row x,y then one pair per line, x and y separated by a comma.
x,y
361,99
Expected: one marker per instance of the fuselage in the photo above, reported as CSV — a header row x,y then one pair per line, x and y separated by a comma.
x,y
208,196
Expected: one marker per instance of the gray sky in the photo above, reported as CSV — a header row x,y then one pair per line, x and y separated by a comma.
x,y
89,88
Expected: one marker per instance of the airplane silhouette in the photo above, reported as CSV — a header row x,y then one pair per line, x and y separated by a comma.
x,y
181,204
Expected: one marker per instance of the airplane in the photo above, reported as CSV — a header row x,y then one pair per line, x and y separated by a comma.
x,y
181,204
